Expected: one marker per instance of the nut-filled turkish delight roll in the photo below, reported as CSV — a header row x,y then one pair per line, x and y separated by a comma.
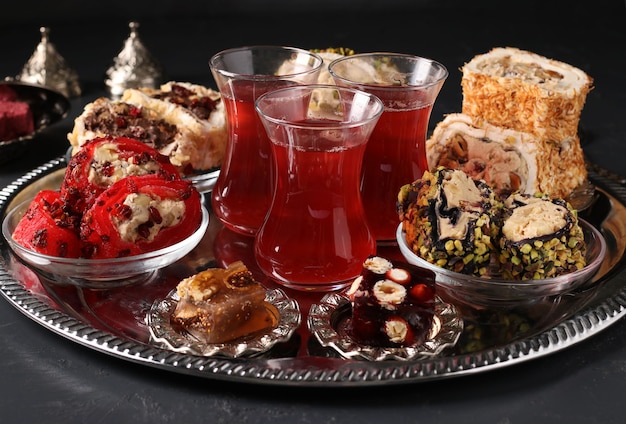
x,y
199,115
526,92
506,159
448,220
183,121
540,238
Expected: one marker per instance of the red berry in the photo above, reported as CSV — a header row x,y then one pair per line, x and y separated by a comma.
x,y
421,293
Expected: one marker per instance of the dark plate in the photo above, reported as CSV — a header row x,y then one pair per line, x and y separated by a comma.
x,y
48,107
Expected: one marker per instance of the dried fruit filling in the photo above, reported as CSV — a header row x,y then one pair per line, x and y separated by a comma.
x,y
118,198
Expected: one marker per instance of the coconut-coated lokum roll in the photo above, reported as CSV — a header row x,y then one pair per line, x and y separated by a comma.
x,y
448,220
526,92
508,160
540,238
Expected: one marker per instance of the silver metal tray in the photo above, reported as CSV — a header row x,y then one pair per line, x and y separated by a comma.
x,y
113,321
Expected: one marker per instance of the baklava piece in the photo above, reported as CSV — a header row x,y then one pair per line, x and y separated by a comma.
x,y
221,305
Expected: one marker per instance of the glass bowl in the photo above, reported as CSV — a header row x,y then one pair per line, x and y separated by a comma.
x,y
100,273
493,291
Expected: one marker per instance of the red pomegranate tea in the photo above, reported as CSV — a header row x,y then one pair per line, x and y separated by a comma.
x,y
396,153
315,230
243,190
395,156
315,236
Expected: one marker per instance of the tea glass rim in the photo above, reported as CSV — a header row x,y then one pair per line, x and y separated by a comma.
x,y
264,77
442,68
321,126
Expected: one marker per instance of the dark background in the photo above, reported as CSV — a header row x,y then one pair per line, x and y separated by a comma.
x,y
68,10
184,34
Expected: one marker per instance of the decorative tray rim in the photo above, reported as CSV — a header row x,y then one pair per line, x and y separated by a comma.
x,y
313,371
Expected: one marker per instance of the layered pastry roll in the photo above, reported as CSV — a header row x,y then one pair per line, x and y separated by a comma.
x,y
508,160
525,92
183,121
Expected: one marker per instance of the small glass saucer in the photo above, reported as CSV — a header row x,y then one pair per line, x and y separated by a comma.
x,y
162,333
328,321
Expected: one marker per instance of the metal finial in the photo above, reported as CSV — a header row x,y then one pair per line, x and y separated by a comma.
x,y
48,68
134,66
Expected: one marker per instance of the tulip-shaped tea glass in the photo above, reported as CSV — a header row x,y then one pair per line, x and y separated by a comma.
x,y
243,190
315,236
396,155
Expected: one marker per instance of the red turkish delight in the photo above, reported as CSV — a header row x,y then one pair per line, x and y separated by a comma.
x,y
103,161
16,119
48,227
140,214
7,94
128,215
393,304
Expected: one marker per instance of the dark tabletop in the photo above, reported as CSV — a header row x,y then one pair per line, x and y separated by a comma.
x,y
46,378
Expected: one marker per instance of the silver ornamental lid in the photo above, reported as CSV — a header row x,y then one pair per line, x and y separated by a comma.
x,y
46,67
133,67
